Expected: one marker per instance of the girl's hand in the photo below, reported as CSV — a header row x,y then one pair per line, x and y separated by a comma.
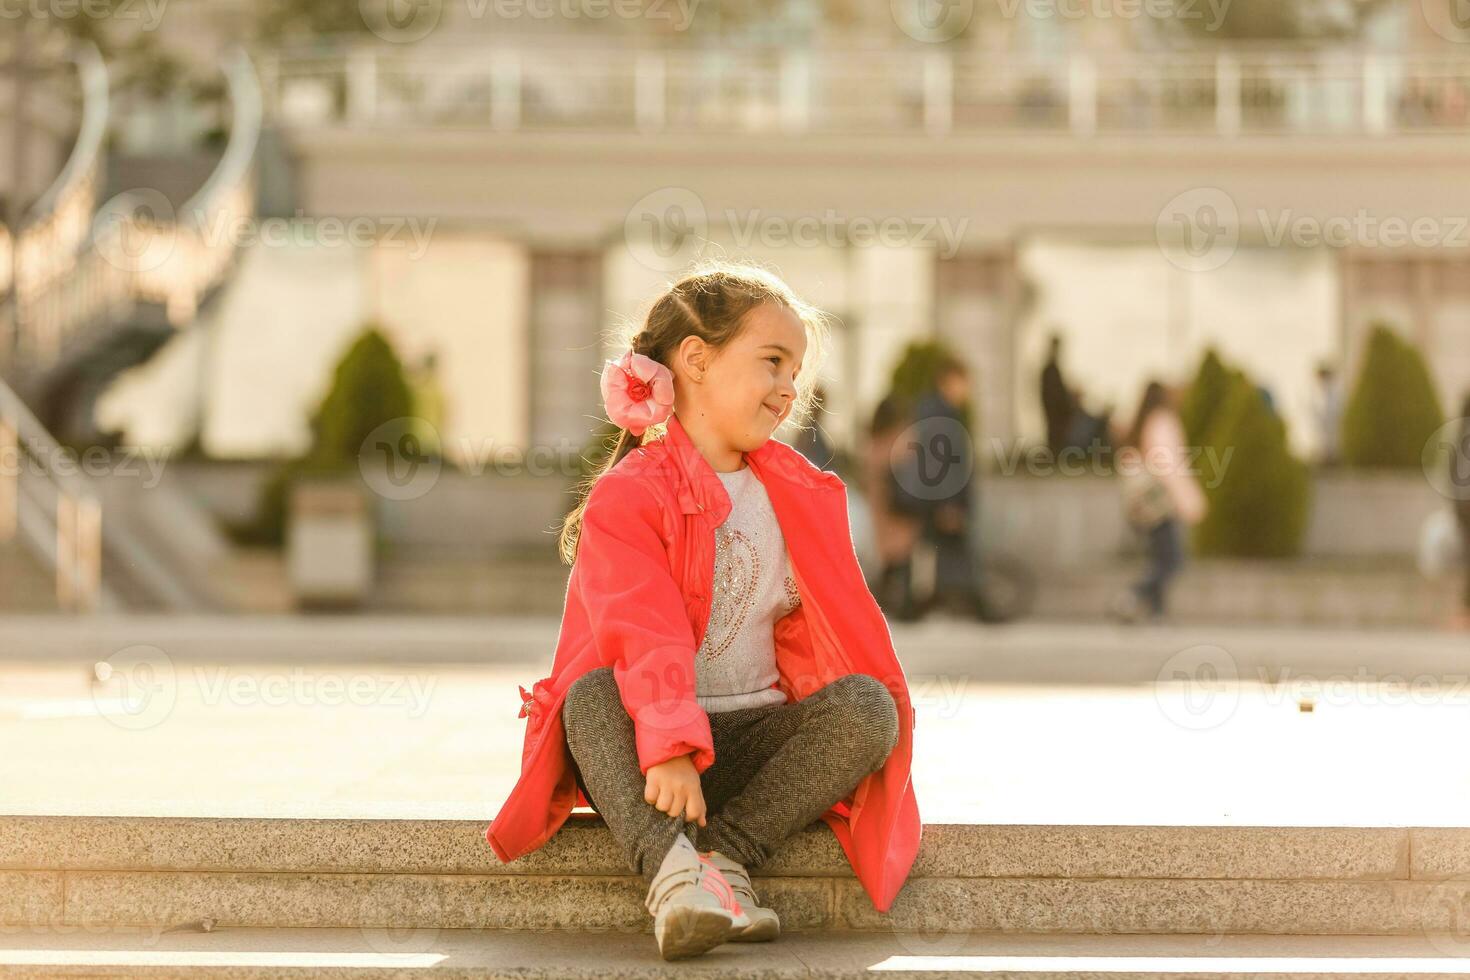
x,y
673,787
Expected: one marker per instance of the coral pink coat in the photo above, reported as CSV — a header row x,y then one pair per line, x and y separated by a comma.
x,y
638,600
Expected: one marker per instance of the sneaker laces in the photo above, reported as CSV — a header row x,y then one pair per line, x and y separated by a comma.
x,y
734,873
708,877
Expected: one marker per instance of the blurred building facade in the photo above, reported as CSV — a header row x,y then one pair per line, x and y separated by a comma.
x,y
532,181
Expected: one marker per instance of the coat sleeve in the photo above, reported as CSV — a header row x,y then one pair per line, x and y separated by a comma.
x,y
639,622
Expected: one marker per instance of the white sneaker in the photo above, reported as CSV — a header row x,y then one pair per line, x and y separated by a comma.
x,y
765,924
694,908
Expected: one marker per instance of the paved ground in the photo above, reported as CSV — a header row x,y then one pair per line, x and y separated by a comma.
x,y
251,952
239,717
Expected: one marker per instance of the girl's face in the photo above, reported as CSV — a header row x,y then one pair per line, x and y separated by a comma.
x,y
738,395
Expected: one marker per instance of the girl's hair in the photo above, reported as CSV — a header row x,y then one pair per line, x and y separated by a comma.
x,y
710,303
1155,396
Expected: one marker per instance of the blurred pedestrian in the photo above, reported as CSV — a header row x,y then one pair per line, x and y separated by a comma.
x,y
1161,496
946,470
1460,486
1058,403
1087,434
895,528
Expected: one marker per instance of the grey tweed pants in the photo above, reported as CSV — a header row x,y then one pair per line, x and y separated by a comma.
x,y
777,768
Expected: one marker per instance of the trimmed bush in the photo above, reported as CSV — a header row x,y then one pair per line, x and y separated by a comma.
x,y
368,389
1260,507
1203,400
1394,408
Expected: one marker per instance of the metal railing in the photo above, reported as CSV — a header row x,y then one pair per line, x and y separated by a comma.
x,y
45,253
135,248
51,511
543,86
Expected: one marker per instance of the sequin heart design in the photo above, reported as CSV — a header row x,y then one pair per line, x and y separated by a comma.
x,y
791,595
737,570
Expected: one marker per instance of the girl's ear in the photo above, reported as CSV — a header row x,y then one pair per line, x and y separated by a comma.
x,y
693,356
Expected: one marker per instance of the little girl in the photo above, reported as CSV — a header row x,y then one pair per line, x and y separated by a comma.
x,y
723,676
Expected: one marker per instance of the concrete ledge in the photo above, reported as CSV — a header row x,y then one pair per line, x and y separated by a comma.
x,y
928,906
584,846
106,873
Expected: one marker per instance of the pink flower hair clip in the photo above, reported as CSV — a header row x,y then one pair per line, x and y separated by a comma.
x,y
637,392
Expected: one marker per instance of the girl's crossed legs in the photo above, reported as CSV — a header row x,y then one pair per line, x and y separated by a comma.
x,y
777,768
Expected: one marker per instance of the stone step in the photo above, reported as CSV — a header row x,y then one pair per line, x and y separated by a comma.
x,y
246,954
165,873
25,585
1342,592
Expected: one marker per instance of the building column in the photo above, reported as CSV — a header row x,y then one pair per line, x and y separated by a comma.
x,y
976,296
565,347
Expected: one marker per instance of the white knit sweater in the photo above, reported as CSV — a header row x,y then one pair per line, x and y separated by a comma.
x,y
753,587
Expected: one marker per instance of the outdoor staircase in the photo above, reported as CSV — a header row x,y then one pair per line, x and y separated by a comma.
x,y
138,896
99,288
